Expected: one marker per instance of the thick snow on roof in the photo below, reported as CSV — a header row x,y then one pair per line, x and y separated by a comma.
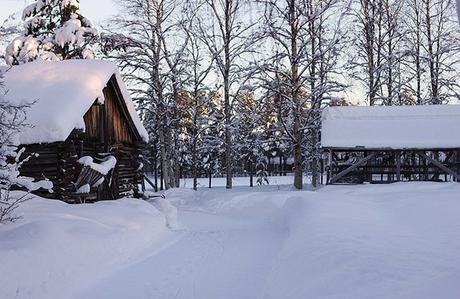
x,y
64,91
396,127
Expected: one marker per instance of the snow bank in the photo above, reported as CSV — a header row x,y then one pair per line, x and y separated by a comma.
x,y
394,241
57,249
396,127
64,91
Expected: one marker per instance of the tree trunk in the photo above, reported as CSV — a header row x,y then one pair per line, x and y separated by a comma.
x,y
297,133
314,172
251,174
210,179
227,108
155,171
161,176
194,168
164,161
298,173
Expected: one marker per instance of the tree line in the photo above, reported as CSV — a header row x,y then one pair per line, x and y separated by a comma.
x,y
226,86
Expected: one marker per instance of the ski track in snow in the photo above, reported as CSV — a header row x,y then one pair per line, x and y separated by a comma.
x,y
217,256
340,242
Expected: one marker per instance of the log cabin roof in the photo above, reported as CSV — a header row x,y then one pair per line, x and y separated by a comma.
x,y
62,93
391,127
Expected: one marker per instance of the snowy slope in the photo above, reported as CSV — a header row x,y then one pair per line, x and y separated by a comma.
x,y
395,127
63,92
389,241
58,249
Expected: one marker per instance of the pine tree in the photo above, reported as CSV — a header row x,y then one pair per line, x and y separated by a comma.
x,y
53,30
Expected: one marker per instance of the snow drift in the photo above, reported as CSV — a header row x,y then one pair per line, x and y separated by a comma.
x,y
57,249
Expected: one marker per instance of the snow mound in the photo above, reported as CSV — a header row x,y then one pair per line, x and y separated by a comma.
x,y
57,249
391,241
62,93
396,127
168,210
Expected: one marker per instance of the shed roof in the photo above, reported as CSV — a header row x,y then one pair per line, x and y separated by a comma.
x,y
63,92
396,127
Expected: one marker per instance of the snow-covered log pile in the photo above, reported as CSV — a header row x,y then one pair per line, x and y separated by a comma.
x,y
103,167
396,127
94,173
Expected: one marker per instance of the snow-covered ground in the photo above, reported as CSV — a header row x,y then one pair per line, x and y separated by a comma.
x,y
369,241
240,181
57,249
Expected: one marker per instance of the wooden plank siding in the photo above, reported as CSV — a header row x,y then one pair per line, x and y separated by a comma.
x,y
119,130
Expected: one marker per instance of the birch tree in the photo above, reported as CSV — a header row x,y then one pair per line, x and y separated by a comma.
x,y
413,23
225,30
441,48
198,108
301,72
368,62
139,40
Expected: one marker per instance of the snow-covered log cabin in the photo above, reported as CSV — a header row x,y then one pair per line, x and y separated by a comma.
x,y
83,126
392,143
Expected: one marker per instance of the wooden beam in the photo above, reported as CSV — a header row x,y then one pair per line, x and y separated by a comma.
x,y
329,166
398,166
150,182
440,165
351,168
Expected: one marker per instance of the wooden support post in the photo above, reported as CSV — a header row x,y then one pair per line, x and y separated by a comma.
x,y
322,170
398,166
329,171
351,168
441,166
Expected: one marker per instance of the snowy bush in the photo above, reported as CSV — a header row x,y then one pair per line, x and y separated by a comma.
x,y
12,119
54,30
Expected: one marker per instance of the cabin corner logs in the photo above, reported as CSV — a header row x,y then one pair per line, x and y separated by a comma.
x,y
109,131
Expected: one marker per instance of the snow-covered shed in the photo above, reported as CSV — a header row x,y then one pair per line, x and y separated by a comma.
x,y
392,143
81,109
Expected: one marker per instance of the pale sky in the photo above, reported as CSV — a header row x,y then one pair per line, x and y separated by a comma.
x,y
95,10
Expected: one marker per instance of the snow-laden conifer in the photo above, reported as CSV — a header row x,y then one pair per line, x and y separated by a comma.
x,y
53,30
